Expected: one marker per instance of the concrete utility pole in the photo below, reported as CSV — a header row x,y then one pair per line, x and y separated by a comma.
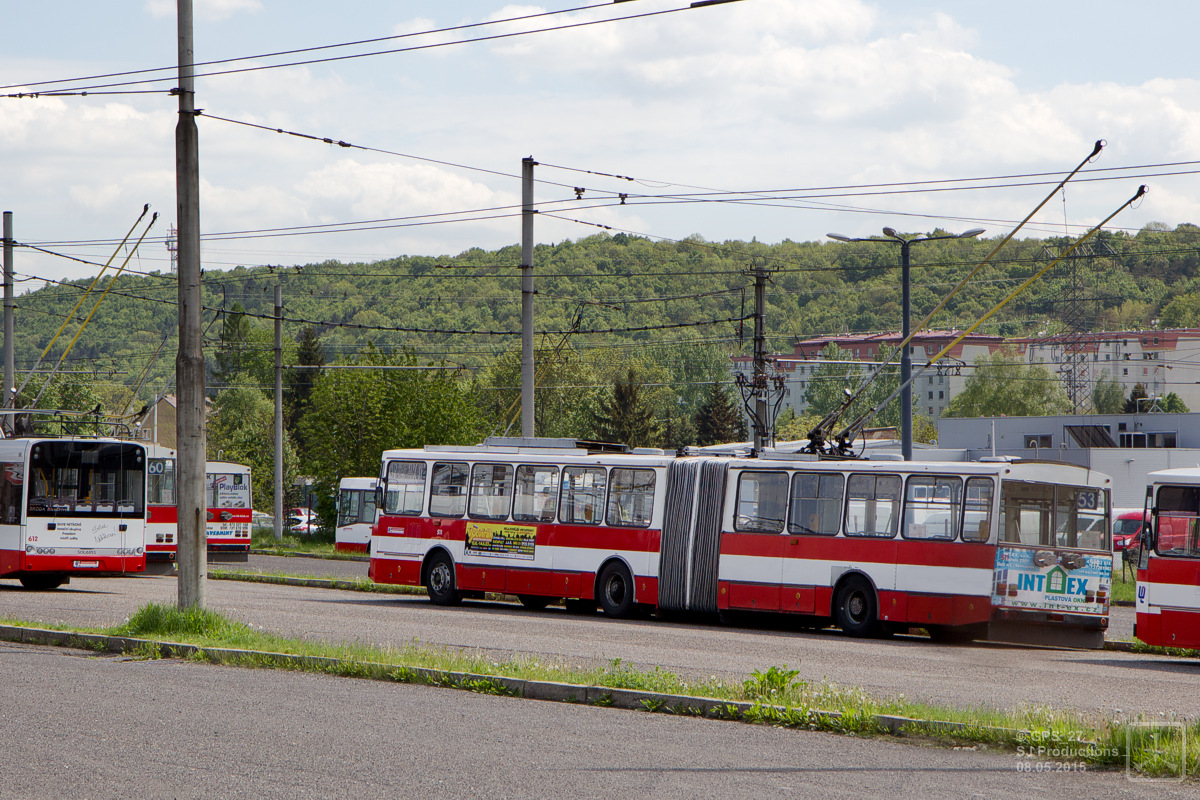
x,y
527,361
189,363
10,345
277,509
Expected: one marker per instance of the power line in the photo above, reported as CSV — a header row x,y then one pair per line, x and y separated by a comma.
x,y
297,51
76,90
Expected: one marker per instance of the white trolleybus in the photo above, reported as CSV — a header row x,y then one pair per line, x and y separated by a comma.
x,y
1168,575
355,514
1011,551
227,499
71,507
230,510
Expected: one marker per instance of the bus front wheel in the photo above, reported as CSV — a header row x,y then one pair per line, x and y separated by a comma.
x,y
440,583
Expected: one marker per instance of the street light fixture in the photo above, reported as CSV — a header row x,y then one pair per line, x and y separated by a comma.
x,y
905,356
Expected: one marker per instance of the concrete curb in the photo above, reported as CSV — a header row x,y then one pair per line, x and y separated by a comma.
x,y
626,699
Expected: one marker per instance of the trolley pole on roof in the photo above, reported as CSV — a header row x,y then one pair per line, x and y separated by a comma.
x,y
189,362
527,365
10,370
277,508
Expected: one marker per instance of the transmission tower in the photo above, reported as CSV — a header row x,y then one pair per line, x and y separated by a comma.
x,y
173,246
1071,348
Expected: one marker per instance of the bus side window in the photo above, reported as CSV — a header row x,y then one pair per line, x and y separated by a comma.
x,y
448,490
582,495
977,510
405,488
491,491
932,507
630,498
535,493
761,502
872,505
816,503
12,478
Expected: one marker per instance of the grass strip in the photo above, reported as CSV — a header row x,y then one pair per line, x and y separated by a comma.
x,y
1159,747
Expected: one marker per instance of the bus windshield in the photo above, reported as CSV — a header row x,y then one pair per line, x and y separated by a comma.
x,y
228,490
356,505
102,479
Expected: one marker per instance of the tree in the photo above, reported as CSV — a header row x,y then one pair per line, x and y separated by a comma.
x,y
626,416
563,402
678,433
1173,404
68,393
353,415
717,420
1108,397
298,383
231,357
826,388
1002,384
241,429
1137,400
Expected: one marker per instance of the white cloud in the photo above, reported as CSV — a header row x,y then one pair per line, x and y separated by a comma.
x,y
206,10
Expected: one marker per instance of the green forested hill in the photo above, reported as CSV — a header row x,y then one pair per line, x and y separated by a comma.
x,y
451,308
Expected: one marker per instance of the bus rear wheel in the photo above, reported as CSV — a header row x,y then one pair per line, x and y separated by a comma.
x,y
43,582
854,608
616,591
440,583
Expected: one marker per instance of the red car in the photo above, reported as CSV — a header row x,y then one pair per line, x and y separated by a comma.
x,y
1127,527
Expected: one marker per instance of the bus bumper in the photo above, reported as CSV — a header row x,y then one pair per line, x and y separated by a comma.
x,y
1083,631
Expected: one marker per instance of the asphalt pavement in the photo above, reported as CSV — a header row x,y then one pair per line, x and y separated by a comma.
x,y
79,725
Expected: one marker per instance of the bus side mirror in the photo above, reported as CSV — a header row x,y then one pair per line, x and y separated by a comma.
x,y
379,492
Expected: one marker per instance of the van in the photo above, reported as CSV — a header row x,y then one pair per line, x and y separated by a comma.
x,y
1127,527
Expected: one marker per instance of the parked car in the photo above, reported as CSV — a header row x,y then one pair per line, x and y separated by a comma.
x,y
1127,527
301,521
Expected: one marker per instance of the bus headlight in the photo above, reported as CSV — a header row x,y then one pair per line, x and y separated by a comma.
x,y
28,548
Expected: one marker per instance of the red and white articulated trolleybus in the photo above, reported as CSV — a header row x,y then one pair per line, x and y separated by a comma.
x,y
162,515
71,507
1011,551
1168,575
355,515
230,510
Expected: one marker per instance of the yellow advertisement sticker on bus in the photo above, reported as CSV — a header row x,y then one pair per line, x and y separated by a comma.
x,y
504,541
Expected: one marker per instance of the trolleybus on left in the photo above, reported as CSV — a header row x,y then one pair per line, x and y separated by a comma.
x,y
71,507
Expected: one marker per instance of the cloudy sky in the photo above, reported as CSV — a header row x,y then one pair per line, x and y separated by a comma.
x,y
774,119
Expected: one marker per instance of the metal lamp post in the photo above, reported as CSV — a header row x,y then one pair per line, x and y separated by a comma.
x,y
906,354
